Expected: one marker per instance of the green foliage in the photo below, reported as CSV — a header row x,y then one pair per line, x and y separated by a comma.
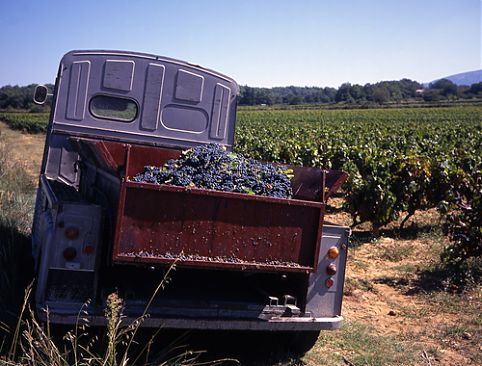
x,y
464,227
399,160
20,97
28,122
445,87
380,93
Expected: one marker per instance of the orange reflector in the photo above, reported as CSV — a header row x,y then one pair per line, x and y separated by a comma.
x,y
329,282
71,233
89,249
333,252
331,269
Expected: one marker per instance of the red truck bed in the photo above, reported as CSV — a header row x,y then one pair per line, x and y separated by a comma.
x,y
213,229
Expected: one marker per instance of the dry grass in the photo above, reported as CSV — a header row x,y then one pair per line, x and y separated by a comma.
x,y
34,344
16,208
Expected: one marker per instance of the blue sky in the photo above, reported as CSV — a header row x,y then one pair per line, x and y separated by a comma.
x,y
258,43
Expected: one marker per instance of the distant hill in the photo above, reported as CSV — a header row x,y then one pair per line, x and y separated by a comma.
x,y
464,78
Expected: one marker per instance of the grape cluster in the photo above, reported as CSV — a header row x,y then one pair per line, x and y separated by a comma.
x,y
212,167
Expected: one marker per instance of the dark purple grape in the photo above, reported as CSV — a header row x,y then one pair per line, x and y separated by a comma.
x,y
212,167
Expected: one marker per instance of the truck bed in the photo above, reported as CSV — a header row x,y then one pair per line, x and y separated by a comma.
x,y
213,229
194,227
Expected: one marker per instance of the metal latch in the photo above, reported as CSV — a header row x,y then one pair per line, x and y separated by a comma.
x,y
273,301
289,300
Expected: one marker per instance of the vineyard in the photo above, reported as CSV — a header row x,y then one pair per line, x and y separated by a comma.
x,y
399,160
28,122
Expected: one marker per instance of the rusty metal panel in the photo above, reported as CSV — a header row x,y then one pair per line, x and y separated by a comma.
x,y
207,228
198,227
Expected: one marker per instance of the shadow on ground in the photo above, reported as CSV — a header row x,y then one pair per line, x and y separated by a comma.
x,y
360,237
443,277
16,273
228,347
249,348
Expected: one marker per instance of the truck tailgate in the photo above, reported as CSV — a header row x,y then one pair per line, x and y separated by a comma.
x,y
199,227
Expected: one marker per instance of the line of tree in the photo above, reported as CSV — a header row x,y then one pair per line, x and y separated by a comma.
x,y
20,97
378,93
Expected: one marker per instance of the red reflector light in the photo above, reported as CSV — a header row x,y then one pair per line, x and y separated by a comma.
x,y
89,249
329,282
69,253
71,233
333,252
331,269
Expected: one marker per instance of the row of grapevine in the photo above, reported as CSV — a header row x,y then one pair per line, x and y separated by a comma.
x,y
28,122
399,160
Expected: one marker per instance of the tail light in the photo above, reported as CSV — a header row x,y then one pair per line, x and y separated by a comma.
x,y
89,249
72,233
70,253
333,253
331,269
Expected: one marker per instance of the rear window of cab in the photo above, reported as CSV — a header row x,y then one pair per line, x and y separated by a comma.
x,y
113,108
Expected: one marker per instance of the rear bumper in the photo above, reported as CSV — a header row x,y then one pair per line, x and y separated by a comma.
x,y
274,324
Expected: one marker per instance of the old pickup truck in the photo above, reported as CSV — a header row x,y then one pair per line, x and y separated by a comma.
x,y
243,262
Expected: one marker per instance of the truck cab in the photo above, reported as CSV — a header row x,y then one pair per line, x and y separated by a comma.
x,y
243,262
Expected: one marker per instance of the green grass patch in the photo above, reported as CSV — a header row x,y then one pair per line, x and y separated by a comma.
x,y
412,312
17,195
406,269
352,284
358,344
396,253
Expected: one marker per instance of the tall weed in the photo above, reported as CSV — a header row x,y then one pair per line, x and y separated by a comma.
x,y
16,208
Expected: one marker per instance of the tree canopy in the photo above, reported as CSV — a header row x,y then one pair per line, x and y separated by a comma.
x,y
20,97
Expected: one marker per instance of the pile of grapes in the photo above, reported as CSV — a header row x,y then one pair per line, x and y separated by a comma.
x,y
212,167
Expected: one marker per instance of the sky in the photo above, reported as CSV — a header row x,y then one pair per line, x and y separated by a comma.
x,y
262,43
